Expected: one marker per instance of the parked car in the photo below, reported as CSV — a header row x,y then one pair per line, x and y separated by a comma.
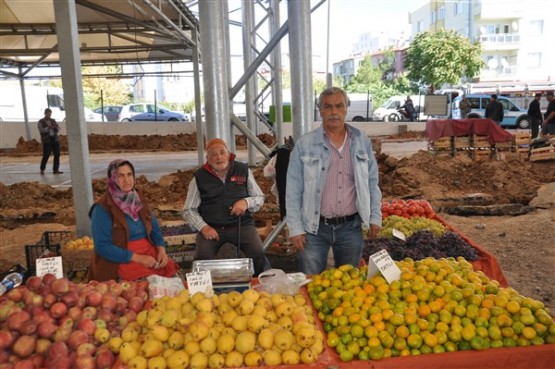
x,y
150,112
91,116
514,115
111,112
394,103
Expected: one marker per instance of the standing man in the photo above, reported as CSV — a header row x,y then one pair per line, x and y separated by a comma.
x,y
464,107
332,189
409,108
48,129
494,110
535,115
222,193
548,126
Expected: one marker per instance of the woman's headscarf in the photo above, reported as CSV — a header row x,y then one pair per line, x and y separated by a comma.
x,y
128,202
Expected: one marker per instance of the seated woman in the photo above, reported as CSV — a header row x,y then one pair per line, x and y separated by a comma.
x,y
128,242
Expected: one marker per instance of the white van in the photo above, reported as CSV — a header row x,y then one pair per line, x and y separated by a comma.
x,y
360,108
391,105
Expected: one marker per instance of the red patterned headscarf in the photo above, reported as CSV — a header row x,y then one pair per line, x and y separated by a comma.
x,y
128,202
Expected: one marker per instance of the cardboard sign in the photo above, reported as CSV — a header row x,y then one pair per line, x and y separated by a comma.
x,y
382,262
50,265
200,281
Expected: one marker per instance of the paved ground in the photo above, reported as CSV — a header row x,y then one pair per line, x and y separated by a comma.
x,y
152,164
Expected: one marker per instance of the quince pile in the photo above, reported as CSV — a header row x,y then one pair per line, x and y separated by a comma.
x,y
227,330
83,243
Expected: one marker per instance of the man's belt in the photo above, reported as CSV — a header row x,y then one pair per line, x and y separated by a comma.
x,y
338,220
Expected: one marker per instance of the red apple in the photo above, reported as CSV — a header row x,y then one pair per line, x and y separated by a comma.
x,y
104,359
60,286
90,312
17,319
4,357
33,283
42,346
24,346
66,322
106,315
42,316
77,338
116,289
48,278
49,300
143,295
85,362
94,298
87,325
5,309
136,304
108,302
102,287
58,310
15,295
58,349
32,299
37,359
44,290
28,328
47,328
24,364
6,339
62,334
129,293
74,313
86,348
71,298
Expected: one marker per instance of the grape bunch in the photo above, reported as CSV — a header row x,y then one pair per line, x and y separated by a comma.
x,y
409,226
454,245
176,230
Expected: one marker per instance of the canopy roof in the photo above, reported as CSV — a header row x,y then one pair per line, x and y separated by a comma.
x,y
110,32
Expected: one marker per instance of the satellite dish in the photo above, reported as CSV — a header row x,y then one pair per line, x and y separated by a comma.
x,y
514,25
482,30
492,63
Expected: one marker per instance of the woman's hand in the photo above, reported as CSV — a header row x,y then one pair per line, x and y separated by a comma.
x,y
161,257
144,260
210,233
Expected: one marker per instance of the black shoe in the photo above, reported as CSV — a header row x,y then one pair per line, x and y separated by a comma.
x,y
42,172
58,172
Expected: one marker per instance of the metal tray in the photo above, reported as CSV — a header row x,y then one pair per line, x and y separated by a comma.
x,y
225,271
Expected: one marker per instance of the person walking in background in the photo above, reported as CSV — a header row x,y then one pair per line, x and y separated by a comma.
x,y
332,189
409,108
464,107
494,110
48,129
548,126
223,192
128,242
535,115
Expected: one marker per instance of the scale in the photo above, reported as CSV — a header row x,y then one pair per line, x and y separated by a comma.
x,y
227,274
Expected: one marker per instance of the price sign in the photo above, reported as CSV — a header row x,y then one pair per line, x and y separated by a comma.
x,y
398,234
381,262
50,265
199,282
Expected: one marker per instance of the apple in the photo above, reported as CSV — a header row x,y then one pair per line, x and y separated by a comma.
x,y
129,293
87,325
71,298
28,328
17,319
15,295
136,304
42,346
106,315
6,339
85,362
60,286
102,287
143,295
24,364
89,312
62,334
108,302
32,299
42,316
49,300
48,278
75,313
61,362
86,348
116,289
33,283
37,360
77,338
104,358
94,298
24,346
4,357
58,310
57,349
46,329
44,290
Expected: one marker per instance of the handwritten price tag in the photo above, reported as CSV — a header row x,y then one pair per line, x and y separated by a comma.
x,y
381,262
398,234
50,265
199,282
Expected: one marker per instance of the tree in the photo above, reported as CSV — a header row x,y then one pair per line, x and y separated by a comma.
x,y
444,57
114,91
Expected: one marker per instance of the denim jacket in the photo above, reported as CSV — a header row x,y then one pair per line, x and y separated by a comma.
x,y
306,177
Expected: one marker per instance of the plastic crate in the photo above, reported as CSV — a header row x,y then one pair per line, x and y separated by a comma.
x,y
54,237
34,252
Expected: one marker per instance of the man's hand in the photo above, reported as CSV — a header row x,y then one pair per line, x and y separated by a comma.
x,y
210,233
298,241
373,231
161,257
239,207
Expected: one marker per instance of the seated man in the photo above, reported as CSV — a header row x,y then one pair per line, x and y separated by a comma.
x,y
221,191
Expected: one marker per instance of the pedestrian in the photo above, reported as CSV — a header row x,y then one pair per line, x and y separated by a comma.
x,y
464,106
548,126
50,140
223,193
494,110
128,241
409,108
535,115
332,191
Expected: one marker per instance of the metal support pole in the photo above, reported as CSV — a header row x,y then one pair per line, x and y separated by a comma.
x,y
68,47
198,99
24,103
277,84
250,87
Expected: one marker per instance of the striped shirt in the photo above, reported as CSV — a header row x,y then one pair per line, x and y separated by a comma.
x,y
339,197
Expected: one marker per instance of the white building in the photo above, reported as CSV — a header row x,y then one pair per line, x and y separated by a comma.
x,y
515,35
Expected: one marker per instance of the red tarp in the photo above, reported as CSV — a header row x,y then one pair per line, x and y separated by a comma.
x,y
463,127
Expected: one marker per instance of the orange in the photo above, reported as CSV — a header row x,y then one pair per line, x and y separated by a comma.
x,y
414,341
430,340
424,311
529,333
402,331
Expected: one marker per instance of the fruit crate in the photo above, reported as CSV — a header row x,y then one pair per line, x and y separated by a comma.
x,y
74,260
54,237
523,152
542,153
461,142
443,143
481,155
37,251
521,138
480,141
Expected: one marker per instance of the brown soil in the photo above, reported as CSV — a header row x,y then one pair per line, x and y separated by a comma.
x,y
523,245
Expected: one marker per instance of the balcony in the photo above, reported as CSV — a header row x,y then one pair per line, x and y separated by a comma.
x,y
499,41
499,74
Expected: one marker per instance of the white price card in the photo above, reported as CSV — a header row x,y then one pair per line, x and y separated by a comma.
x,y
51,265
382,262
199,282
398,234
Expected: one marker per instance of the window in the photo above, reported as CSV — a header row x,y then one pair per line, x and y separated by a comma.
x,y
441,13
433,16
474,102
419,26
536,27
458,7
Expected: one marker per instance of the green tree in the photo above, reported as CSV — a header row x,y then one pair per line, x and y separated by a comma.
x,y
114,91
443,57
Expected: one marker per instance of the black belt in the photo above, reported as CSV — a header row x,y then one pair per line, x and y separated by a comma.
x,y
338,220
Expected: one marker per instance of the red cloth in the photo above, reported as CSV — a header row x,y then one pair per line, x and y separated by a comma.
x,y
132,271
463,127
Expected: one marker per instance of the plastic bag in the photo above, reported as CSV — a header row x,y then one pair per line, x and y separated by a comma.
x,y
276,281
163,286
